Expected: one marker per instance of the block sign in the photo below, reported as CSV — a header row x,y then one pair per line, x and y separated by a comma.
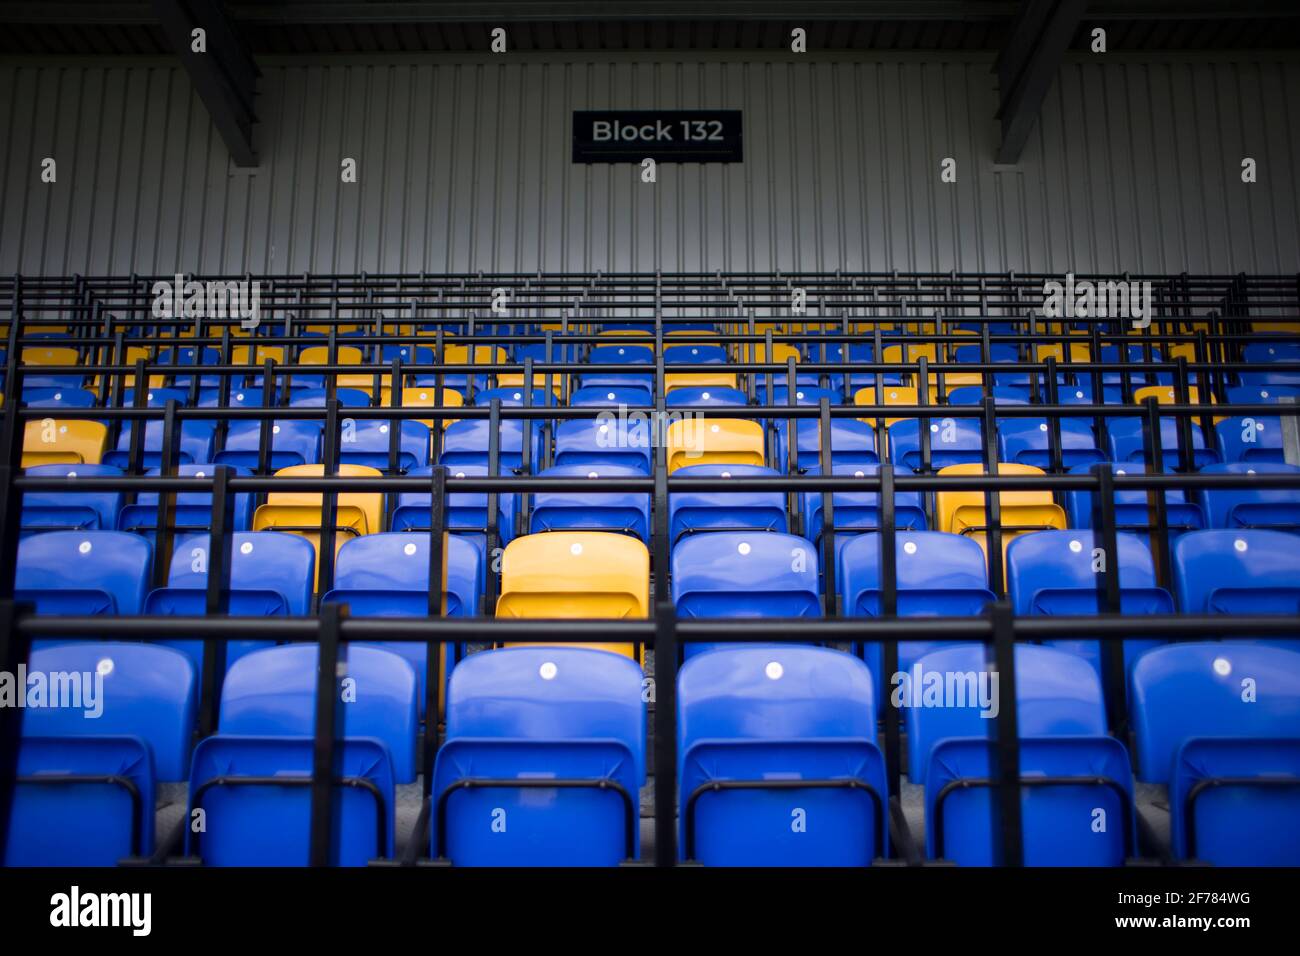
x,y
666,136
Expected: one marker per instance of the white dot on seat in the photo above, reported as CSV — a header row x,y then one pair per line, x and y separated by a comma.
x,y
610,396
149,396
706,395
459,474
199,474
715,428
239,396
63,429
726,474
58,396
1239,544
1250,471
518,396
246,548
575,548
934,428
1222,666
909,547
859,474
409,548
798,394
84,547
72,474
1263,394
592,474
1076,546
548,671
104,667
743,547
774,670
1042,427
1078,394
275,429
620,351
1120,471
383,429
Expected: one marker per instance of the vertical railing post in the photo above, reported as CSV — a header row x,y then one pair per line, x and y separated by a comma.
x,y
665,752
1005,770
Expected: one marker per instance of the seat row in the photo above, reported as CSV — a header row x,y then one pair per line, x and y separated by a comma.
x,y
778,762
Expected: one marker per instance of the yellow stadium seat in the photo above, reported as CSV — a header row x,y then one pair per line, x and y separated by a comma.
x,y
256,354
48,355
299,512
781,353
346,355
52,441
893,354
674,380
714,441
482,355
576,575
1164,394
894,395
423,396
1079,352
962,512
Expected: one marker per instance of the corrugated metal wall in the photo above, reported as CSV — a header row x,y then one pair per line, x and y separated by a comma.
x,y
464,165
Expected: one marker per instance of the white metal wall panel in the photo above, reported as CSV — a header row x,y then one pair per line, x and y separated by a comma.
x,y
464,165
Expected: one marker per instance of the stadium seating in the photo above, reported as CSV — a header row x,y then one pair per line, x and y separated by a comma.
x,y
576,574
83,572
1073,775
777,759
71,510
521,721
714,441
89,763
742,574
1063,573
1238,571
252,778
1216,723
627,512
1278,508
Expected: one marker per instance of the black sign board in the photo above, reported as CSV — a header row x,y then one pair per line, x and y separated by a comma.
x,y
666,136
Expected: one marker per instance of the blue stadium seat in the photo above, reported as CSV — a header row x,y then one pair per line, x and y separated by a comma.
x,y
268,706
949,703
271,575
695,354
192,510
604,440
196,437
1265,353
858,511
1002,395
624,511
188,356
1219,724
301,397
512,397
777,759
853,442
466,514
953,441
1276,508
691,512
83,572
1251,438
1126,443
59,398
293,442
1028,441
87,785
619,355
409,354
70,510
938,575
1131,508
689,395
520,719
610,396
465,442
1238,571
744,574
1056,573
1260,394
387,575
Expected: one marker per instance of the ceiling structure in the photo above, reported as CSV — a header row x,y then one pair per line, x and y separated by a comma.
x,y
1030,37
